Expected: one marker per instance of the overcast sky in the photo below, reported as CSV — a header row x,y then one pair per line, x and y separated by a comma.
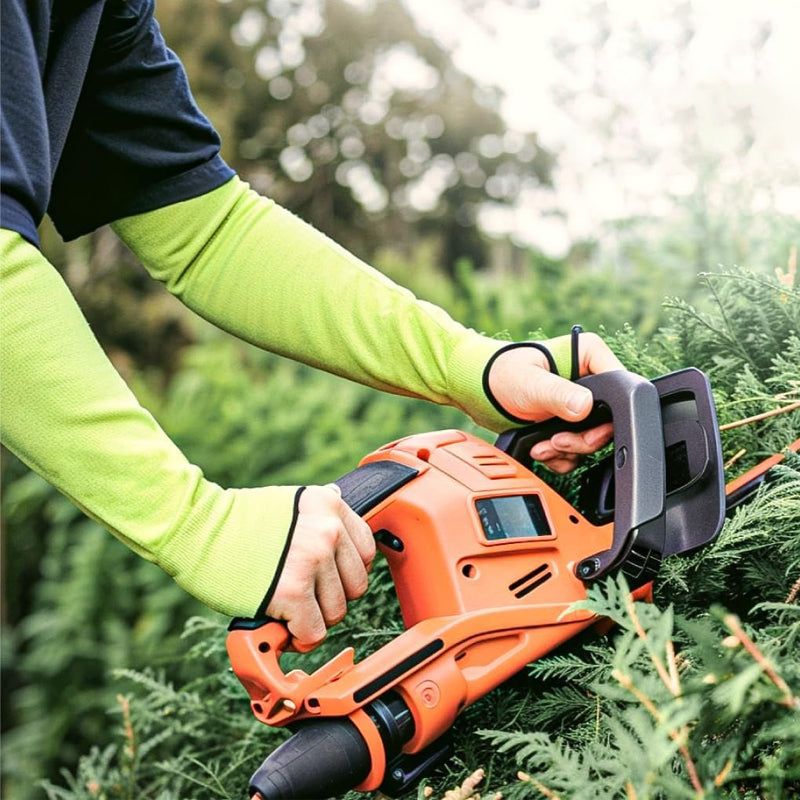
x,y
730,90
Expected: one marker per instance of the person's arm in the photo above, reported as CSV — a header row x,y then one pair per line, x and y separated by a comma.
x,y
65,411
259,272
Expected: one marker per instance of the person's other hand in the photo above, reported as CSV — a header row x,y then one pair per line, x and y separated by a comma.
x,y
327,563
521,382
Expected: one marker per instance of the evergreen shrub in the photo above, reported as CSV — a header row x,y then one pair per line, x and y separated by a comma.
x,y
696,695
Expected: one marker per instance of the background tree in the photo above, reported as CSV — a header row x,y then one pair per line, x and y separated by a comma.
x,y
347,115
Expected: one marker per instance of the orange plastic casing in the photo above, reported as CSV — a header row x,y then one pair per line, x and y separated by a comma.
x,y
476,610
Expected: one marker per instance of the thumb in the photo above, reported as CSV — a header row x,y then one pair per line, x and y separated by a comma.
x,y
558,397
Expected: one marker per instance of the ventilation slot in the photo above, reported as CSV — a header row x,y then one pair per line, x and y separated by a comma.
x,y
493,465
533,580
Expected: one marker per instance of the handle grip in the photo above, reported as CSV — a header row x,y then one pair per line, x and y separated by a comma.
x,y
370,484
633,404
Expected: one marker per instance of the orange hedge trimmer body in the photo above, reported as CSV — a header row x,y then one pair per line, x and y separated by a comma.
x,y
487,560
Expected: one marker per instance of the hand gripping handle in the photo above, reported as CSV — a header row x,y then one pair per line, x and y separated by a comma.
x,y
639,462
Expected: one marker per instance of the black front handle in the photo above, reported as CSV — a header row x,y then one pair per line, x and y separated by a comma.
x,y
632,403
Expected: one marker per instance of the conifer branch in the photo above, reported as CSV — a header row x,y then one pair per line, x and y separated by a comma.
x,y
789,277
672,663
467,789
525,778
130,743
665,676
127,726
733,625
759,417
678,736
626,682
719,779
733,459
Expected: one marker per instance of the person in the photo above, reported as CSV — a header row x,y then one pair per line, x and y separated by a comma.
x,y
99,126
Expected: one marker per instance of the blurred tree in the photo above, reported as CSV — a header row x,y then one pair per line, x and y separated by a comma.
x,y
674,127
345,113
342,112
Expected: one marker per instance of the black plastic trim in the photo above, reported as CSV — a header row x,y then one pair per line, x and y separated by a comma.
x,y
575,366
525,578
370,484
379,683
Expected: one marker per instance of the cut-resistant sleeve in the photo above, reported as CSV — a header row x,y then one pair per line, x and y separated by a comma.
x,y
253,268
66,412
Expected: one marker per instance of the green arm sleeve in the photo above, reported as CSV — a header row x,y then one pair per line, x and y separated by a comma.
x,y
254,269
66,412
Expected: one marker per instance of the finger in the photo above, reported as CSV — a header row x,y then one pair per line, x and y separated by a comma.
x,y
305,622
561,452
296,604
543,451
583,442
331,540
349,524
321,601
546,453
330,594
358,531
558,397
562,463
351,570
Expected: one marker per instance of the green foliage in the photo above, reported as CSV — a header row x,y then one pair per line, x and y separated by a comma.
x,y
192,734
702,698
95,606
109,693
542,297
686,707
756,560
322,121
694,696
747,342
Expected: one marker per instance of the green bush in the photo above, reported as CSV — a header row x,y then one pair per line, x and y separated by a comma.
x,y
694,696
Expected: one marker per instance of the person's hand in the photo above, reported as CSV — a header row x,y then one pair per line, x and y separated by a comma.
x,y
522,383
329,557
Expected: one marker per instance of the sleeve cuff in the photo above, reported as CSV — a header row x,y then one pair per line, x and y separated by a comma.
x,y
466,368
234,547
483,406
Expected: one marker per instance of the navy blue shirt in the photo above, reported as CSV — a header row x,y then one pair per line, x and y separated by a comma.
x,y
98,121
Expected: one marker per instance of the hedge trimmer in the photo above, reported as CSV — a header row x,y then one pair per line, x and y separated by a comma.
x,y
487,561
